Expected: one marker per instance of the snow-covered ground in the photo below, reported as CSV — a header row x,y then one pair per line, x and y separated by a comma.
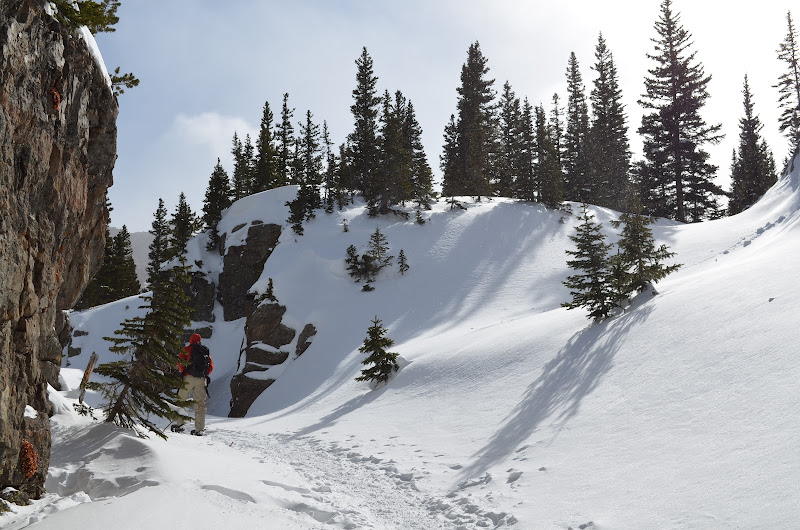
x,y
509,410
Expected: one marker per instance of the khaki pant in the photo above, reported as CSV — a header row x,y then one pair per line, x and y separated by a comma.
x,y
197,386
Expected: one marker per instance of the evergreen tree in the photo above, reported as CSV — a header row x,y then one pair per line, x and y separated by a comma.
x,y
396,157
526,185
284,133
590,287
98,16
675,178
216,201
378,249
639,258
402,262
144,385
124,281
510,146
308,175
364,146
265,165
550,179
789,86
332,183
421,174
159,247
468,168
100,289
578,187
556,130
451,185
753,168
380,363
609,149
182,226
239,183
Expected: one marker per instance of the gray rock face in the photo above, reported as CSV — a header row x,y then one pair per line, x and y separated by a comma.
x,y
245,391
243,265
57,152
202,293
303,341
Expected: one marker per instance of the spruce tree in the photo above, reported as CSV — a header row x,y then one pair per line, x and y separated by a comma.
x,y
98,16
609,149
265,165
753,168
217,199
144,385
468,168
124,282
308,175
525,187
396,157
675,179
452,185
578,187
159,247
402,262
334,194
380,363
284,133
590,286
239,177
183,224
378,250
100,290
363,141
789,86
639,258
549,178
510,146
421,175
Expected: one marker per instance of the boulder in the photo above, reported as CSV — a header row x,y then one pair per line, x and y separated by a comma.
x,y
244,391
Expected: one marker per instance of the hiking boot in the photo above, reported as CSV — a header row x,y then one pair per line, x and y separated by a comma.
x,y
197,433
177,428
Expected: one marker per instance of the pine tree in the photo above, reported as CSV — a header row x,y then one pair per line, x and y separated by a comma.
x,y
402,262
239,177
364,146
590,287
144,385
549,178
789,86
159,247
308,175
578,187
284,133
753,168
378,250
675,179
640,259
609,149
98,16
265,166
380,363
451,185
248,165
334,194
421,175
525,187
100,289
124,281
468,168
217,199
182,226
396,157
510,146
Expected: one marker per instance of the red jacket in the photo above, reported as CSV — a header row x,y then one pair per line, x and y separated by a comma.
x,y
187,355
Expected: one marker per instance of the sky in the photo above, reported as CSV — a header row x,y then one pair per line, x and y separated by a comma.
x,y
507,411
207,67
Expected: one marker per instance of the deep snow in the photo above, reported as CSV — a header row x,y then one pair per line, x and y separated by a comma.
x,y
509,410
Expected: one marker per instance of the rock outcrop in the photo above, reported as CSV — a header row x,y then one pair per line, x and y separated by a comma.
x,y
57,152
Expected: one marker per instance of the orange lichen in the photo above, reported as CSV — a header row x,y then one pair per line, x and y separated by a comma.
x,y
56,98
28,459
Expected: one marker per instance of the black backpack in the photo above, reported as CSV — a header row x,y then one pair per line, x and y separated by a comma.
x,y
199,361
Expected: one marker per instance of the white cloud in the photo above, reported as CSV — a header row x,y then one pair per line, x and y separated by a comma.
x,y
211,130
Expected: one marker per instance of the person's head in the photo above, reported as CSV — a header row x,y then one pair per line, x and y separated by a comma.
x,y
194,339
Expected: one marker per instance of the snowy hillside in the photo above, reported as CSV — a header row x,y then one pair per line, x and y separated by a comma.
x,y
509,410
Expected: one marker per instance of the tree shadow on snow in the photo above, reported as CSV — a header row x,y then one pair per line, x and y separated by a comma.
x,y
340,411
555,397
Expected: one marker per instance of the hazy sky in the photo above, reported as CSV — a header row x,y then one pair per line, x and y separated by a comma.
x,y
207,67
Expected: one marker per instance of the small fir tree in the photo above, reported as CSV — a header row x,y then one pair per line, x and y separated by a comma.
x,y
144,385
639,257
590,287
99,16
284,133
217,199
182,227
159,247
380,362
789,86
378,250
265,164
402,262
125,282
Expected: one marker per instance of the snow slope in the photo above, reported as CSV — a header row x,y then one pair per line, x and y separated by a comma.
x,y
509,410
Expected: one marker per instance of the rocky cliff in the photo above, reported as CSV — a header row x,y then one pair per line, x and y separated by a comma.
x,y
57,152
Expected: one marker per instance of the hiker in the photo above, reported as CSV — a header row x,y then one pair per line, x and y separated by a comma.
x,y
195,369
